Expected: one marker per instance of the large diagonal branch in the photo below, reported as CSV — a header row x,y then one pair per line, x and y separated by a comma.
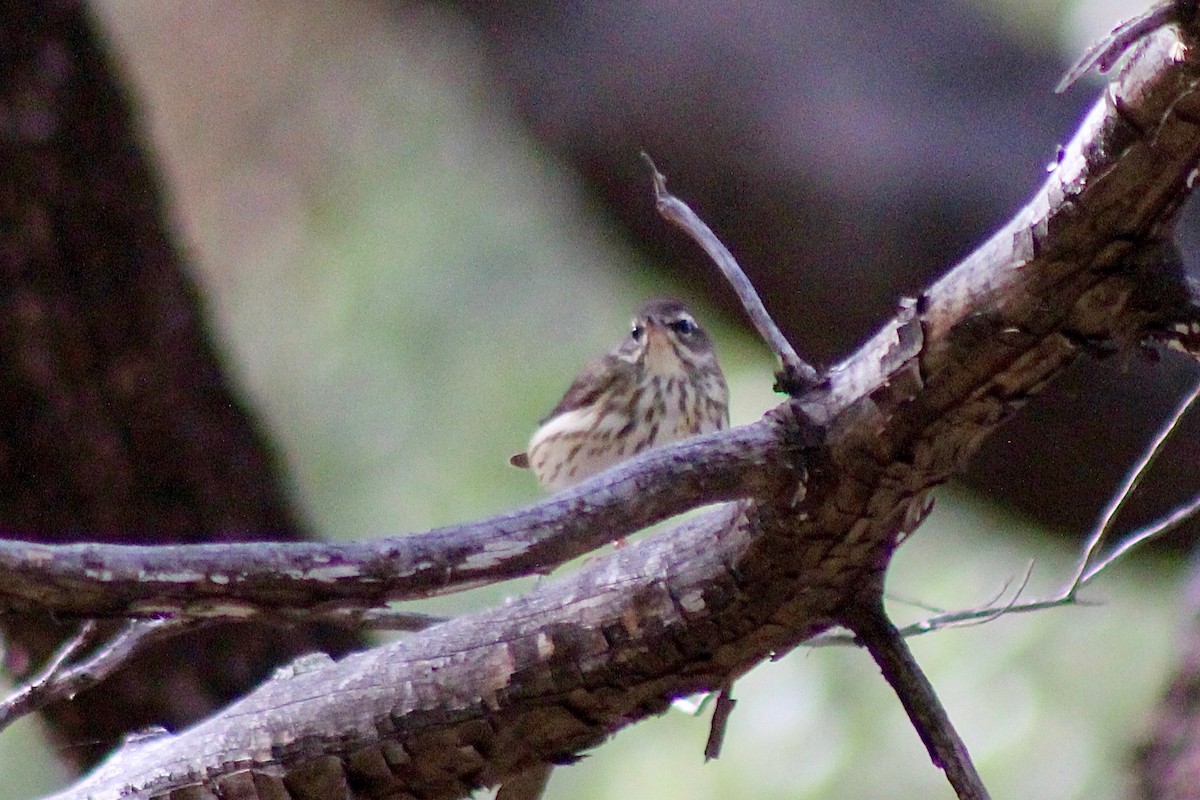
x,y
468,702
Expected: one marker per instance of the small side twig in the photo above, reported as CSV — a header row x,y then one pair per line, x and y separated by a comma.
x,y
1151,531
902,672
795,374
1090,565
948,619
986,613
1125,491
914,602
37,683
720,719
56,680
59,678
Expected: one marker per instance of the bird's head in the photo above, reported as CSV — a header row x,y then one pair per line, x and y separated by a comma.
x,y
665,340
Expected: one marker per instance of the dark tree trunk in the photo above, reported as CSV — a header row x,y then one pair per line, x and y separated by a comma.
x,y
116,422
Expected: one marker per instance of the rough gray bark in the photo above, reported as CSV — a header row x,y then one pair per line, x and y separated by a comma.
x,y
1086,266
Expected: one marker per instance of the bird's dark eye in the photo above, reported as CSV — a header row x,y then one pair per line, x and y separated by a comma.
x,y
637,332
684,327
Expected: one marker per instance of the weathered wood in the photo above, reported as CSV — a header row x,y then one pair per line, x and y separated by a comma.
x,y
468,702
295,579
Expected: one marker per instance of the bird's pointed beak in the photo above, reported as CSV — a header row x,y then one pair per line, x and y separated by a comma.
x,y
660,356
656,336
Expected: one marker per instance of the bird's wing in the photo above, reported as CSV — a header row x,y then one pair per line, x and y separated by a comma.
x,y
600,374
597,377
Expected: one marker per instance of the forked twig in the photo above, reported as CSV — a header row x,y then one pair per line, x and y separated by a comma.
x,y
57,680
976,616
37,683
795,374
1089,567
1184,512
1119,499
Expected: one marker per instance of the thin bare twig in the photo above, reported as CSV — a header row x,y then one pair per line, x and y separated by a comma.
x,y
1067,597
913,602
67,651
1089,567
1126,490
720,719
796,374
902,672
945,619
987,613
1154,529
56,681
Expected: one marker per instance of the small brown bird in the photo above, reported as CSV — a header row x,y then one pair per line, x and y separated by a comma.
x,y
660,385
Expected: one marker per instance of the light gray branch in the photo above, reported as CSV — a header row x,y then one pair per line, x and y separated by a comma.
x,y
235,581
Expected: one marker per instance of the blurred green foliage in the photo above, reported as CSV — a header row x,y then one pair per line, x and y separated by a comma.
x,y
403,285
